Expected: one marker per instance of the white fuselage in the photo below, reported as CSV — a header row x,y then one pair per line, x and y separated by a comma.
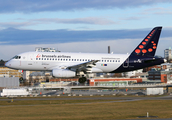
x,y
51,60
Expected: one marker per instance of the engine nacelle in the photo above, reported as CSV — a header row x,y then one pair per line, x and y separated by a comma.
x,y
63,73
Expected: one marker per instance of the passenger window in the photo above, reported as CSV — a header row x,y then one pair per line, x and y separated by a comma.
x,y
44,58
36,58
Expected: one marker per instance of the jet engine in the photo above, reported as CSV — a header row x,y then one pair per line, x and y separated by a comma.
x,y
63,73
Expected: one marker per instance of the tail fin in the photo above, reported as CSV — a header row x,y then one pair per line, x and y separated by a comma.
x,y
149,44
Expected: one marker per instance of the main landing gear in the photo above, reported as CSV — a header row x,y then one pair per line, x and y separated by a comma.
x,y
82,79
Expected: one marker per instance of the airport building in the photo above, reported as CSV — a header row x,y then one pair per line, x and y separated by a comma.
x,y
64,79
9,78
26,75
167,54
7,72
113,81
161,76
9,82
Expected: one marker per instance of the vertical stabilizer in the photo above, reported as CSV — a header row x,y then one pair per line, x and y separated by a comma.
x,y
149,44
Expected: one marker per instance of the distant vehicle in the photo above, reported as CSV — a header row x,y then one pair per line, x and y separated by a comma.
x,y
67,65
14,92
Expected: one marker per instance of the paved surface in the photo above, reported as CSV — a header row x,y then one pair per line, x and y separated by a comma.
x,y
96,98
151,119
92,92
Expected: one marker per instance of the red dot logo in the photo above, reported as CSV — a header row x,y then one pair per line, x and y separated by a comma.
x,y
144,51
141,46
150,49
146,39
137,51
152,42
144,43
154,47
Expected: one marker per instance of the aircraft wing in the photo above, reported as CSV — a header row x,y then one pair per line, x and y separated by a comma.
x,y
84,66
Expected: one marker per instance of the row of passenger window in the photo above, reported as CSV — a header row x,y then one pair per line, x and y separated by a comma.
x,y
86,60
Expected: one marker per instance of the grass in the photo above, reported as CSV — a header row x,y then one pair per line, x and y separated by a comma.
x,y
69,110
48,102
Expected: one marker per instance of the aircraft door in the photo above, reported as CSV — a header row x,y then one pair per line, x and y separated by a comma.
x,y
30,59
20,61
126,63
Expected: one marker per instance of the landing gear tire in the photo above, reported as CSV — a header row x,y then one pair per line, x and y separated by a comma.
x,y
82,79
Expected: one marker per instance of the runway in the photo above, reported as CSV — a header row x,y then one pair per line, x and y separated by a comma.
x,y
122,98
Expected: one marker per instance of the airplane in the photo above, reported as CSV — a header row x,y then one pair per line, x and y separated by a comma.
x,y
67,65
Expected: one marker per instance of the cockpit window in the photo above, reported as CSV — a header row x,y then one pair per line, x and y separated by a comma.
x,y
16,57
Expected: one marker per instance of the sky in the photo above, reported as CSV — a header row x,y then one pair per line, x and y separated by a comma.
x,y
82,26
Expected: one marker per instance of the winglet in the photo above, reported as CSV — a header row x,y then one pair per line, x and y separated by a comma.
x,y
149,44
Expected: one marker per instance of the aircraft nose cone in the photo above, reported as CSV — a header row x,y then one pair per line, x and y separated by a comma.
x,y
7,64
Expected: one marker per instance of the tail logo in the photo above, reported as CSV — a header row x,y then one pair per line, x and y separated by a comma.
x,y
137,51
150,49
144,51
141,47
